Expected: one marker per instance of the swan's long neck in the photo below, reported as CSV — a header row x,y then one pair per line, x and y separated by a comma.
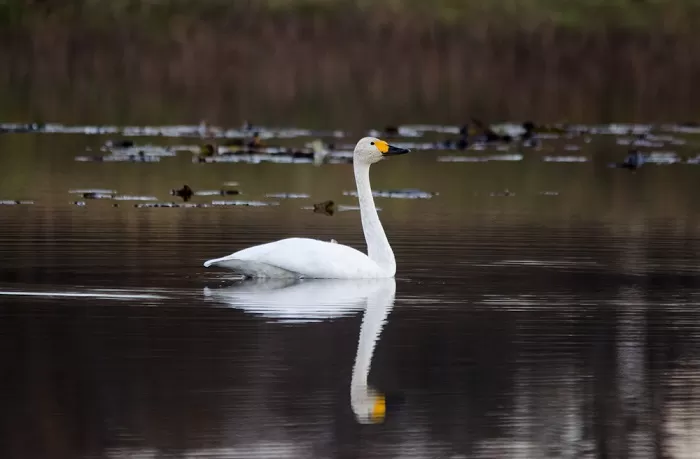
x,y
378,248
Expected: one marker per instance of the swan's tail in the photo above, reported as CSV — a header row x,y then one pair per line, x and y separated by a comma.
x,y
249,268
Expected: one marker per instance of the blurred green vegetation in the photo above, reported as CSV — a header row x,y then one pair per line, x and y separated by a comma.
x,y
670,15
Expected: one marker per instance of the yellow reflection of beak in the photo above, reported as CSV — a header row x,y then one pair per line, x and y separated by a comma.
x,y
379,409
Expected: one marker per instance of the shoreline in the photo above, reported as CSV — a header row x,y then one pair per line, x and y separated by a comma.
x,y
467,18
373,67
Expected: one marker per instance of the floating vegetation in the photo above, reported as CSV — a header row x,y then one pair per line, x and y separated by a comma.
x,y
639,143
564,159
17,128
92,190
134,198
505,192
316,154
109,194
94,195
244,203
479,159
12,202
149,205
612,129
287,195
150,151
474,141
217,193
663,157
423,128
406,193
400,131
253,159
118,158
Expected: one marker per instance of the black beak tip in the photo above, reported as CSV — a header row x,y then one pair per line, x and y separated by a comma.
x,y
397,151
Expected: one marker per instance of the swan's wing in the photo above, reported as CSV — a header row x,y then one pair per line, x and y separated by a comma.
x,y
305,257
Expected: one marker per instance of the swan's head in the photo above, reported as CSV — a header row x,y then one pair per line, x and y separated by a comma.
x,y
370,150
370,407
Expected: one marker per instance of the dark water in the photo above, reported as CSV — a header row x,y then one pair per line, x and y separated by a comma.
x,y
523,326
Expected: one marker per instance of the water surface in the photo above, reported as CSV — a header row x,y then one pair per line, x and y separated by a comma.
x,y
555,320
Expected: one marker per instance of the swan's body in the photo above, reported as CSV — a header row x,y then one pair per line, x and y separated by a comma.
x,y
312,258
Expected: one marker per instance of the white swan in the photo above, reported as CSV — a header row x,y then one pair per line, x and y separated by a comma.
x,y
317,299
302,257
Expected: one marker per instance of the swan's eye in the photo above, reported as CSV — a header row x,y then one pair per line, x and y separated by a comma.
x,y
372,143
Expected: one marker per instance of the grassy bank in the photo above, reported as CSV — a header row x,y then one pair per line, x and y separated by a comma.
x,y
350,63
674,16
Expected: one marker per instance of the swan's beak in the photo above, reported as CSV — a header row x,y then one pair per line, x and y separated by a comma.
x,y
392,151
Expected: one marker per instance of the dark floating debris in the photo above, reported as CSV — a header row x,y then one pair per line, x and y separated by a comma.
x,y
119,143
326,207
12,202
407,193
207,150
330,207
633,161
548,193
503,193
185,193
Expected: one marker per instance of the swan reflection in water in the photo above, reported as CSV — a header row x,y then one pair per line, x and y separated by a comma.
x,y
313,300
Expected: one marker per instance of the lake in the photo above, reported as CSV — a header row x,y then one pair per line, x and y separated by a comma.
x,y
545,304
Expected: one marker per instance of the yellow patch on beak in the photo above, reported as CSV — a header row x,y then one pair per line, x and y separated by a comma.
x,y
382,146
379,408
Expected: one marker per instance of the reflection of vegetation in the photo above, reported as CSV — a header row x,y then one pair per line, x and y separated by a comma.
x,y
674,15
